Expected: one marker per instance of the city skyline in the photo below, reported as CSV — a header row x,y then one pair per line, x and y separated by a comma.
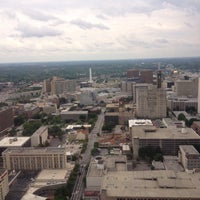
x,y
97,30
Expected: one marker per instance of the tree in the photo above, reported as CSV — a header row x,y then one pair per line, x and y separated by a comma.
x,y
30,127
19,120
181,117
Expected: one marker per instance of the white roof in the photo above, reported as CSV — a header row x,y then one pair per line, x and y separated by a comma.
x,y
13,141
139,122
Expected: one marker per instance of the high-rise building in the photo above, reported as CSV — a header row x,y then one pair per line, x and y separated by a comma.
x,y
188,88
141,76
46,86
198,95
60,85
151,102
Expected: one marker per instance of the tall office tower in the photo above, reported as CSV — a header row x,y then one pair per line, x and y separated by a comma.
x,y
159,78
90,79
140,76
46,86
199,95
188,88
60,85
151,102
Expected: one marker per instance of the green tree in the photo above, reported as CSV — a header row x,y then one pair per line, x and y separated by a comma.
x,y
30,127
19,120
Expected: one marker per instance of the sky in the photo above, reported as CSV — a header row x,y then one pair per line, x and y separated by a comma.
x,y
65,30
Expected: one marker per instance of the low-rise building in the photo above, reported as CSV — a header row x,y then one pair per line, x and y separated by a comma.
x,y
150,185
7,142
100,166
4,187
189,157
39,137
196,127
168,139
34,158
73,115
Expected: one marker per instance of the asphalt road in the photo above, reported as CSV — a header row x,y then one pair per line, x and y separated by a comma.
x,y
79,186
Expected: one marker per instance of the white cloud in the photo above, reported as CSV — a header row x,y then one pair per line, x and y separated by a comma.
x,y
93,29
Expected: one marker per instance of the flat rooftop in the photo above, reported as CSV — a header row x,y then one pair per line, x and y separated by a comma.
x,y
36,150
52,174
139,122
152,184
13,141
150,132
110,162
66,112
189,149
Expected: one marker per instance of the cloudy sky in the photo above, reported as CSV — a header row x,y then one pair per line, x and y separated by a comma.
x,y
62,30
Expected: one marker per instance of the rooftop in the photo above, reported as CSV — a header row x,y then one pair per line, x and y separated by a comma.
x,y
152,184
139,122
13,141
150,132
36,150
111,163
66,112
189,149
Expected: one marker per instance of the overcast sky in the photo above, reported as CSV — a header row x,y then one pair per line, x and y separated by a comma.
x,y
62,30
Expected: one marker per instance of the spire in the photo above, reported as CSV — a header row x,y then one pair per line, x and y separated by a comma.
x,y
90,79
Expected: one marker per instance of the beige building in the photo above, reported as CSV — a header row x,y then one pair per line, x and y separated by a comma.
x,y
60,85
188,88
34,158
150,185
189,157
99,166
4,187
39,137
151,102
168,139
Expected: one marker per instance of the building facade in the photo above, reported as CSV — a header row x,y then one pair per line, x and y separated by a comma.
x,y
34,158
189,157
6,118
151,102
39,137
4,187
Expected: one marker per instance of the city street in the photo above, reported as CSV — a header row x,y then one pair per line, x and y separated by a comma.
x,y
78,188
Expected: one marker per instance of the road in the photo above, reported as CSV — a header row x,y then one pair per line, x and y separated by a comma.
x,y
78,188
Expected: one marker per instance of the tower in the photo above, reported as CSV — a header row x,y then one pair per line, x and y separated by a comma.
x,y
159,77
90,79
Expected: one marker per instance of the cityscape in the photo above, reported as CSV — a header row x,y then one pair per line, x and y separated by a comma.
x,y
99,100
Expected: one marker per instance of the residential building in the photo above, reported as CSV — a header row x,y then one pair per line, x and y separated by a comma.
x,y
189,157
39,137
150,185
29,158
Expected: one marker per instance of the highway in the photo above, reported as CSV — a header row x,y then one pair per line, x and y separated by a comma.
x,y
79,186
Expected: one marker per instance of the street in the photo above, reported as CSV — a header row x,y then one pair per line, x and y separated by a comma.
x,y
79,186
